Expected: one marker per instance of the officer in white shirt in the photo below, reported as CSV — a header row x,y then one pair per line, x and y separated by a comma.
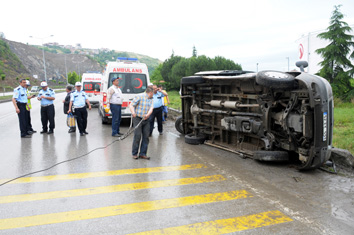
x,y
78,101
115,100
47,97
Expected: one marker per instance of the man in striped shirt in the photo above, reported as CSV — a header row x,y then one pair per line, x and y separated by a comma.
x,y
141,108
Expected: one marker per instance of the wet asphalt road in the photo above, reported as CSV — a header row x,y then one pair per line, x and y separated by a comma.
x,y
182,189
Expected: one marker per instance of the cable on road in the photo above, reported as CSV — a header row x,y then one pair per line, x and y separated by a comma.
x,y
130,130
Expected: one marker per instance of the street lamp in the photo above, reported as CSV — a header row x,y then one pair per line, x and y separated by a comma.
x,y
288,63
257,67
45,70
78,64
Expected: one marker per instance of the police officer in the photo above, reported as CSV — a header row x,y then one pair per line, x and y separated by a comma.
x,y
19,100
158,107
28,109
47,97
78,100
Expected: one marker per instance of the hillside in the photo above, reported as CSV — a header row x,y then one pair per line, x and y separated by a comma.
x,y
104,56
10,66
56,64
18,60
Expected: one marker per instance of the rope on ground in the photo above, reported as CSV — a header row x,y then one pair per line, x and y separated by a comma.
x,y
129,132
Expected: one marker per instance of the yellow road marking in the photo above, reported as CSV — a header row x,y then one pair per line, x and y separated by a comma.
x,y
225,225
62,217
108,189
105,173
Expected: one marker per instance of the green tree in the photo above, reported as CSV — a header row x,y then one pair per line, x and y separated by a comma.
x,y
73,77
222,63
179,70
336,65
200,63
194,52
176,67
156,76
166,70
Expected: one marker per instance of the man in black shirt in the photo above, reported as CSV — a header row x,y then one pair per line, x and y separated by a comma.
x,y
66,105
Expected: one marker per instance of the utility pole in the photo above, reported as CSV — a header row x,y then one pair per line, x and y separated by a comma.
x,y
66,71
44,68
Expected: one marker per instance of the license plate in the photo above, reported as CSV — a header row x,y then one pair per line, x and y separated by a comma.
x,y
325,126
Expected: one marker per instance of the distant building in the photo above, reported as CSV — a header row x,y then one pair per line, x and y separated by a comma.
x,y
95,51
2,35
307,46
78,46
51,44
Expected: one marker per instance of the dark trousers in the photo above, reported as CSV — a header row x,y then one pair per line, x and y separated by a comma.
x,y
22,117
29,124
81,118
157,113
48,114
116,110
141,137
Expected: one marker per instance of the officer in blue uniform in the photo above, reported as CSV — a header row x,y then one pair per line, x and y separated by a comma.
x,y
19,100
78,101
159,94
47,97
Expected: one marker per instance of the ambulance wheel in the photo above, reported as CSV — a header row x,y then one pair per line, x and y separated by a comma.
x,y
105,120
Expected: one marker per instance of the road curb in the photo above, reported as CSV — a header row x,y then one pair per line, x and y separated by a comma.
x,y
3,101
343,158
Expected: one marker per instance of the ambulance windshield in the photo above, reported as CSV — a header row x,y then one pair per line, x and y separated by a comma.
x,y
130,82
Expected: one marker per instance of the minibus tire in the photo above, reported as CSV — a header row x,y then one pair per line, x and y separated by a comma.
x,y
179,124
192,80
275,79
193,139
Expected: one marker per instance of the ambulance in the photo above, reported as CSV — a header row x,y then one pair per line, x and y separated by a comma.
x,y
91,84
134,79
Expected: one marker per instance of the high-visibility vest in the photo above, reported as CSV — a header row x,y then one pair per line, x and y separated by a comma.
x,y
28,101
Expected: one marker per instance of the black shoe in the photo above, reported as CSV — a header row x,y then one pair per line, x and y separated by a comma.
x,y
71,131
120,133
29,132
42,132
33,131
86,133
26,136
50,132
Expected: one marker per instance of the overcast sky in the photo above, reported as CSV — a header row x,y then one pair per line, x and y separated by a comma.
x,y
248,31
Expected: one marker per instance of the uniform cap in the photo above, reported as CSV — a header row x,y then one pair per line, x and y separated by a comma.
x,y
113,79
44,84
78,84
28,83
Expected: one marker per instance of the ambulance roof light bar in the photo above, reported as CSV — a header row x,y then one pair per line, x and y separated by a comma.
x,y
127,59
